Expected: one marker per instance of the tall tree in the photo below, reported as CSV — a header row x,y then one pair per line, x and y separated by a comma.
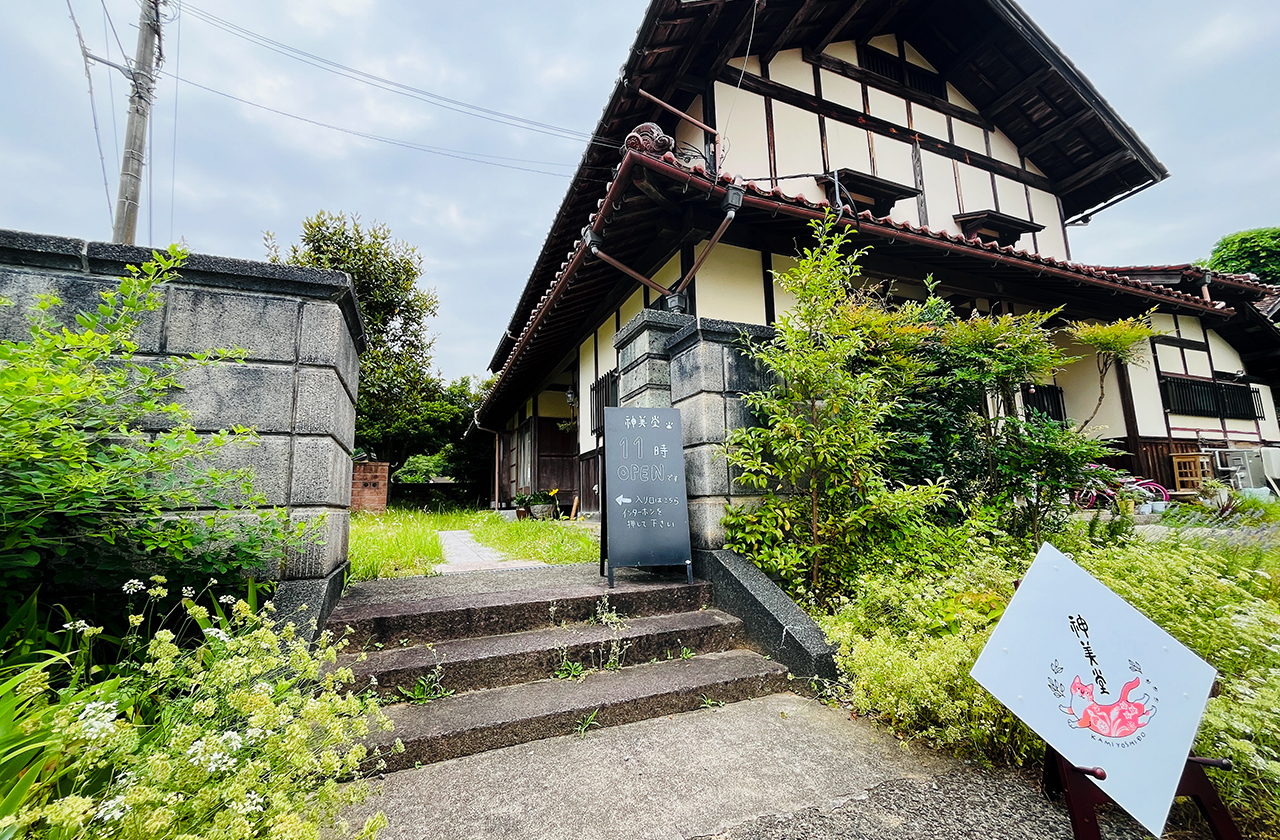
x,y
399,411
1249,252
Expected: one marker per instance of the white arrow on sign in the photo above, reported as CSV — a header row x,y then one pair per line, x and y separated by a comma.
x,y
622,500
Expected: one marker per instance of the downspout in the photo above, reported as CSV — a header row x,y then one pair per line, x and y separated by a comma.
x,y
497,453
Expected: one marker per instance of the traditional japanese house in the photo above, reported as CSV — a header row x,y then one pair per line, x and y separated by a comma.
x,y
952,135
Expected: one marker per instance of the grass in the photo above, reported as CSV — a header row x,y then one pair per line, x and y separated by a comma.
x,y
406,543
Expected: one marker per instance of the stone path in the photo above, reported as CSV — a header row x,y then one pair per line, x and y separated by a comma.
x,y
775,768
463,554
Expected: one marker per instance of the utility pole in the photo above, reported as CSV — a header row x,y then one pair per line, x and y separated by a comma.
x,y
135,137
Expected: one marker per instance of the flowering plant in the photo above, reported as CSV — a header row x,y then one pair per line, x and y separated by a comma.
x,y
242,733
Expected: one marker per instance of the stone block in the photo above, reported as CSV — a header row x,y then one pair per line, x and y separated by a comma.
x,y
324,406
649,372
269,460
742,373
696,369
702,419
706,472
261,325
326,341
647,334
321,472
78,293
324,545
227,394
737,414
308,602
648,398
705,530
19,247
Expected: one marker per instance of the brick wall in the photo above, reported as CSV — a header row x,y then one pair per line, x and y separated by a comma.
x,y
369,481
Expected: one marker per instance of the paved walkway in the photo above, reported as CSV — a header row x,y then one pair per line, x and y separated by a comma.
x,y
777,768
463,554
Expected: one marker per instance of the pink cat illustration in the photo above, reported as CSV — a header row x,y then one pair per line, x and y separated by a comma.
x,y
1118,720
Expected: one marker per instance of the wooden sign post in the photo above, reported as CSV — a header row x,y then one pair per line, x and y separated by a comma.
x,y
642,491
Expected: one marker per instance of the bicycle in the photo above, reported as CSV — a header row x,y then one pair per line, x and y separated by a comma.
x,y
1107,484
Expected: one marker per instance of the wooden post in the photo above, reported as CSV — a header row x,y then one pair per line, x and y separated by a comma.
x,y
135,136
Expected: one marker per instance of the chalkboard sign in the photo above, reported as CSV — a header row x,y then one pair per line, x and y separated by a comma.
x,y
646,510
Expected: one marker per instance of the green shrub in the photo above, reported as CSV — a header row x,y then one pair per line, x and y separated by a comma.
x,y
242,733
420,469
82,487
1249,252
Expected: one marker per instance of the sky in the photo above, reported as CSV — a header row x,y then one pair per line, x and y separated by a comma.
x,y
1194,80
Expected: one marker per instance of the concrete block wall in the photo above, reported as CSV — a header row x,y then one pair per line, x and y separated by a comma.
x,y
301,332
696,365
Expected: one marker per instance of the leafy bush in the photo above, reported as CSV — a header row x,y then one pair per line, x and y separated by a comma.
x,y
909,636
82,487
1249,252
243,732
420,469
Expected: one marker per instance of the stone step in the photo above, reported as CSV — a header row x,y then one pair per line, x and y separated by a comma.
x,y
465,724
436,618
493,661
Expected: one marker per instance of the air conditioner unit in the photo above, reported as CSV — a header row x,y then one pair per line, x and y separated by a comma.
x,y
1242,468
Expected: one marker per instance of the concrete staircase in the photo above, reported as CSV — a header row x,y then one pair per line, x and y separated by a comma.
x,y
649,647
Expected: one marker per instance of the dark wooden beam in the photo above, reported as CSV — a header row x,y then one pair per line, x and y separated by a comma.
x,y
948,70
858,119
1016,92
879,25
858,74
1117,158
854,8
1057,132
796,20
695,44
655,194
740,32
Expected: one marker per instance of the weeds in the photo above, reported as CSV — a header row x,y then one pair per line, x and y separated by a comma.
x,y
568,669
585,723
427,688
686,653
708,703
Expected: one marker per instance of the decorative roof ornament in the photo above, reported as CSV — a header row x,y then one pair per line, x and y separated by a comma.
x,y
648,138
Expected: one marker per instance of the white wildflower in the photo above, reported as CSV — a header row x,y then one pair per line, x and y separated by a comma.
x,y
232,741
188,592
253,734
113,809
212,582
76,626
133,587
215,633
206,755
227,599
253,803
98,719
262,688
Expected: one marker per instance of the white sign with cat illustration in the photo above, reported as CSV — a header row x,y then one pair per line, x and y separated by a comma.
x,y
1100,682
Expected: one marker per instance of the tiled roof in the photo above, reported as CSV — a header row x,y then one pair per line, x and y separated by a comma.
x,y
1249,282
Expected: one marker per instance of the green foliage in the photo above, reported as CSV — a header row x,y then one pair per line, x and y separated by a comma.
x,y
545,540
817,454
82,486
241,733
420,469
908,636
428,687
399,411
1249,252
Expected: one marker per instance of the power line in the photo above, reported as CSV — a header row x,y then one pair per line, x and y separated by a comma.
x,y
393,86
93,107
107,17
111,87
474,157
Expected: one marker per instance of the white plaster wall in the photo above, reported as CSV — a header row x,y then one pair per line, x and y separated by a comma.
x,y
1183,426
955,97
1170,359
848,147
689,133
731,285
887,43
1013,201
975,189
608,356
886,106
554,404
1198,363
916,58
1002,148
841,90
631,306
586,377
893,163
1147,403
789,68
783,300
669,274
798,150
928,121
1189,327
1079,383
1225,357
844,50
1163,323
969,136
941,199
1269,425
740,118
1044,211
